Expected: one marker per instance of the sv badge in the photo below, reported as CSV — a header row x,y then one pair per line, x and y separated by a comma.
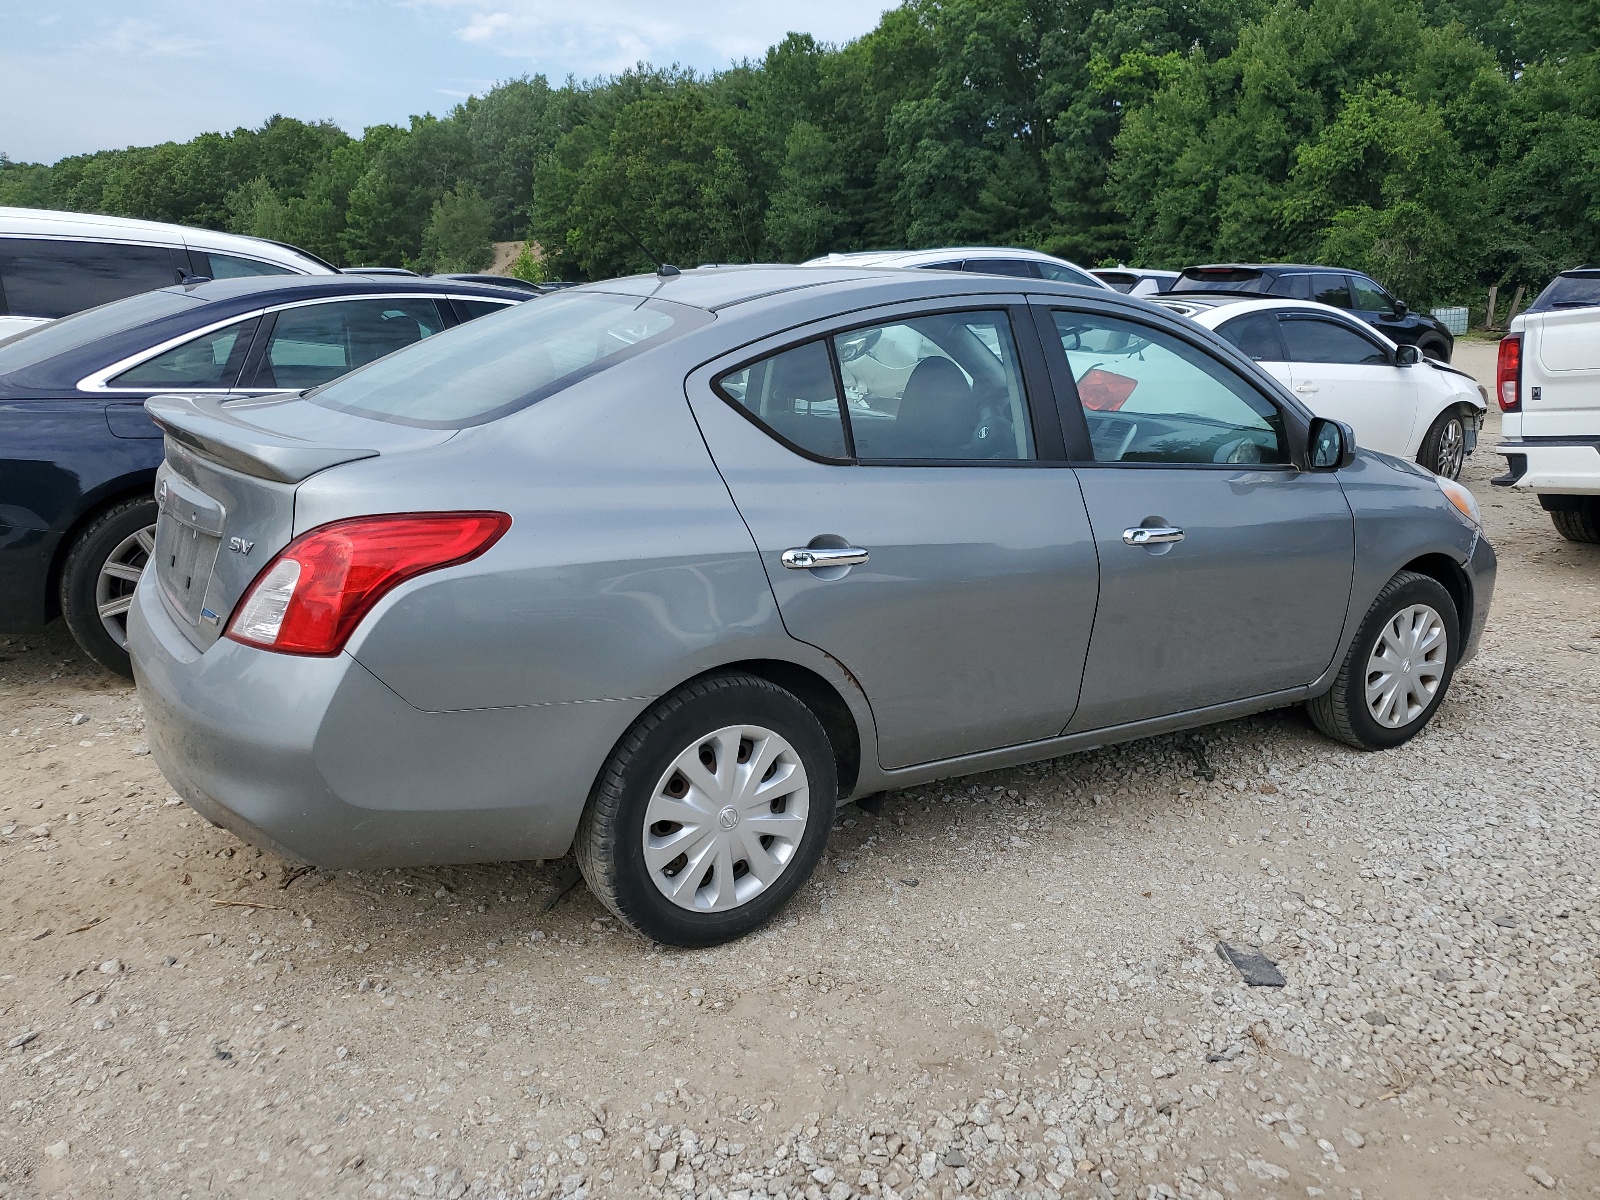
x,y
239,546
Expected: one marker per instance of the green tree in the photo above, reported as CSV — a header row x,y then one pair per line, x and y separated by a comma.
x,y
459,231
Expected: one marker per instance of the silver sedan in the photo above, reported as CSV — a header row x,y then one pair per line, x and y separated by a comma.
x,y
661,570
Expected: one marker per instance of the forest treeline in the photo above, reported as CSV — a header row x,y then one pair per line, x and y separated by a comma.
x,y
1443,145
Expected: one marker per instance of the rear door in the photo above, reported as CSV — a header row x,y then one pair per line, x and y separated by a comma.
x,y
1224,570
892,477
1342,372
1256,335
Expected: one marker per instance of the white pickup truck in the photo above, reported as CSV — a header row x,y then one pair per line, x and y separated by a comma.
x,y
1548,386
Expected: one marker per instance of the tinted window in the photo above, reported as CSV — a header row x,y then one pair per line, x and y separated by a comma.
x,y
944,266
1020,267
480,308
794,396
1065,274
1369,296
938,387
1117,279
1569,291
485,369
227,266
316,343
46,341
1330,289
1296,287
1314,341
1256,335
209,361
1219,279
45,278
1151,397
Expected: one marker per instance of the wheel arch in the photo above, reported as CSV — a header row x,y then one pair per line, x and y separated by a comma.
x,y
96,502
824,700
1449,574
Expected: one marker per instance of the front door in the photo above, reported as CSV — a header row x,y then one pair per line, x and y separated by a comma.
x,y
891,479
1225,571
1344,373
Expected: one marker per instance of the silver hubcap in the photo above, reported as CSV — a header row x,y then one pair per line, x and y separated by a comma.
x,y
726,818
1452,448
119,575
1407,666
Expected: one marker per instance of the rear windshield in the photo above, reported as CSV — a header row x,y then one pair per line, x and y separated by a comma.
x,y
1575,290
497,364
45,341
1219,279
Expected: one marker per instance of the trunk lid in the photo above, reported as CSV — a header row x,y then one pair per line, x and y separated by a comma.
x,y
1561,373
226,491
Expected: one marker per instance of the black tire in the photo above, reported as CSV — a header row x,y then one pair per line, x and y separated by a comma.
x,y
1435,350
1342,712
1582,525
610,840
1443,448
108,534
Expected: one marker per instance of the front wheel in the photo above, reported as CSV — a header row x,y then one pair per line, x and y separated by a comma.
x,y
1398,668
711,812
1444,446
98,578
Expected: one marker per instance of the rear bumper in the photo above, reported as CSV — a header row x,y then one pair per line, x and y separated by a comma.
x,y
319,761
1559,466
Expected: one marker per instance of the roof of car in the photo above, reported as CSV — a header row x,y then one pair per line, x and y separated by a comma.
x,y
44,222
1277,266
1212,309
936,253
271,288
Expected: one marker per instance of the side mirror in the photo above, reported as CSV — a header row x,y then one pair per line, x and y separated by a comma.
x,y
1332,445
1407,356
1400,308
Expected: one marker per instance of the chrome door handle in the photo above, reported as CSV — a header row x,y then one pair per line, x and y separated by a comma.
x,y
1151,535
804,559
1306,389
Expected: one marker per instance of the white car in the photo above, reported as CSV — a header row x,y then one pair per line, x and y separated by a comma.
x,y
1396,400
1548,385
53,264
981,260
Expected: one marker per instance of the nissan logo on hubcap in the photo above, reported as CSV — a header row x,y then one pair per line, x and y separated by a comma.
x,y
728,817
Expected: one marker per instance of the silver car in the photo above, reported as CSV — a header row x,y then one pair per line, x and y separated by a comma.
x,y
661,570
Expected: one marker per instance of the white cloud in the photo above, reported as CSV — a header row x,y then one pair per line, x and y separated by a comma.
x,y
143,39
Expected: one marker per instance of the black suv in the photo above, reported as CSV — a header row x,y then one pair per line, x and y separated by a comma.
x,y
1349,290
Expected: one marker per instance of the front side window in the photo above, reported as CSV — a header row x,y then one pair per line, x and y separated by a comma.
x,y
210,361
1330,289
1310,340
1150,397
944,387
936,387
42,277
228,266
1256,335
316,343
1370,297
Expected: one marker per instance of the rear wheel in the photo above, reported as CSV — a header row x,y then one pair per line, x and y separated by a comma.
x,y
1435,350
1579,525
1444,446
711,812
1398,668
98,578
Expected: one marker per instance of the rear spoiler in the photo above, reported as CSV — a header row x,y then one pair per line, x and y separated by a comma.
x,y
201,423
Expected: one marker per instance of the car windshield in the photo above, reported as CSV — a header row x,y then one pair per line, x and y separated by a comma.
x,y
497,364
1219,279
43,342
1573,290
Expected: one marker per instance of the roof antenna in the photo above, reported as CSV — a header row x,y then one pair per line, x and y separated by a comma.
x,y
664,269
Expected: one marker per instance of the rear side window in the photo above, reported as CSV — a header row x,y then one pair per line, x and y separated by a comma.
x,y
483,370
1117,279
43,277
44,342
794,396
1019,267
1330,289
1295,287
473,309
1257,336
1064,274
1314,341
228,266
316,343
209,361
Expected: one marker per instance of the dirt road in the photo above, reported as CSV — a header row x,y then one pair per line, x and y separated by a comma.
x,y
1007,985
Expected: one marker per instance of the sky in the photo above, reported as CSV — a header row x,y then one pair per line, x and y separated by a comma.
x,y
84,75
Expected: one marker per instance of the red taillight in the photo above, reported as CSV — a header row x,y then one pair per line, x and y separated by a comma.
x,y
310,598
1508,373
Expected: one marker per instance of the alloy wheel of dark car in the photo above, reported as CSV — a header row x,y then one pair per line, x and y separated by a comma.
x,y
1398,668
99,576
711,812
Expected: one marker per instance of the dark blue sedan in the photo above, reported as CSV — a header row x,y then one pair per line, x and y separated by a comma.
x,y
78,455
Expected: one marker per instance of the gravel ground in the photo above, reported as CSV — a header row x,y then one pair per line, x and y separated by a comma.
x,y
1008,985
